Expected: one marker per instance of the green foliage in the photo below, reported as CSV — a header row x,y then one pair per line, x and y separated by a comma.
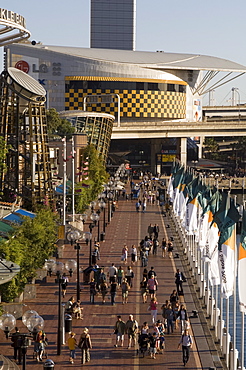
x,y
97,177
212,147
32,244
57,125
3,151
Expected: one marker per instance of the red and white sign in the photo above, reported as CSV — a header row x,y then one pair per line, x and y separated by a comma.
x,y
23,66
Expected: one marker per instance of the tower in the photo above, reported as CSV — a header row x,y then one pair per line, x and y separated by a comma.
x,y
113,24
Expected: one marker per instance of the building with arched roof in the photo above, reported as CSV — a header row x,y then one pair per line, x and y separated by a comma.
x,y
138,88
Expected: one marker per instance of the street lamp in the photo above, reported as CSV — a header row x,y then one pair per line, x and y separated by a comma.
x,y
72,236
110,198
102,205
31,320
57,268
94,217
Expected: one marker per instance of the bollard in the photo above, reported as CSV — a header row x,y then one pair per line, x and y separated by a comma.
x,y
233,359
49,364
221,332
216,323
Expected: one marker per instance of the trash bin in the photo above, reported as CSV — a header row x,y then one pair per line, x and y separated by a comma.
x,y
87,273
102,236
49,364
68,323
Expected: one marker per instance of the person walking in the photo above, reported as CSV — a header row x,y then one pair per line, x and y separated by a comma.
x,y
95,255
164,247
112,273
156,231
134,254
113,290
103,290
153,309
120,275
174,298
124,254
169,313
64,284
129,276
150,231
144,289
153,345
144,205
179,279
137,206
119,330
182,315
72,343
17,342
93,291
85,345
155,246
170,248
131,330
152,286
125,291
186,342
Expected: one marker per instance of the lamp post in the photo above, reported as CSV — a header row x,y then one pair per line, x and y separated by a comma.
x,y
57,268
102,206
110,197
32,321
72,236
94,217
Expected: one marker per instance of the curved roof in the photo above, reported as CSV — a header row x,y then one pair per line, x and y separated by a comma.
x,y
153,60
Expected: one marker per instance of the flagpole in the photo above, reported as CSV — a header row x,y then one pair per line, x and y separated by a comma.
x,y
242,340
73,174
235,292
64,178
227,331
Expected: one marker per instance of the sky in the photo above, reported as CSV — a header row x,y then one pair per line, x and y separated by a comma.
x,y
212,27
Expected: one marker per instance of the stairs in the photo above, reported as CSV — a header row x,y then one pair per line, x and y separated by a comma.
x,y
7,364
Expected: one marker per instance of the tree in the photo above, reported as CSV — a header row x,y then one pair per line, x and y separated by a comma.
x,y
29,246
97,176
212,147
57,125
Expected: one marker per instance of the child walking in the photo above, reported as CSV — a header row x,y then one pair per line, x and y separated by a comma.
x,y
72,343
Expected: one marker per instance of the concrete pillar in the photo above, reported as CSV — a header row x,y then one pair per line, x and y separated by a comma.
x,y
154,150
200,147
183,151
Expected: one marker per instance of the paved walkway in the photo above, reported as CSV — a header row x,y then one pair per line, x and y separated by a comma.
x,y
128,227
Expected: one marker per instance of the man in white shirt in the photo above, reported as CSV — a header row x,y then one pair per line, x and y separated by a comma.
x,y
112,273
186,342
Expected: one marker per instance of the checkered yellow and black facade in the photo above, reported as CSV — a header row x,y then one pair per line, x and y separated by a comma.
x,y
139,98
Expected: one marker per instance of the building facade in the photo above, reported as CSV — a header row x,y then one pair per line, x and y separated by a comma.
x,y
141,89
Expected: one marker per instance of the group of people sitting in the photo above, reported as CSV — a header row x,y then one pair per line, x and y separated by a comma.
x,y
74,308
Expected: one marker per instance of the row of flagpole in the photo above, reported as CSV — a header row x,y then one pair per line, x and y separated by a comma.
x,y
206,219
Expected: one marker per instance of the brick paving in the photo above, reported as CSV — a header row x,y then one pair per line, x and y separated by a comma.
x,y
128,227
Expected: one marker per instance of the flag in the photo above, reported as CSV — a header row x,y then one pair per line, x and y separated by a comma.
x,y
226,219
242,266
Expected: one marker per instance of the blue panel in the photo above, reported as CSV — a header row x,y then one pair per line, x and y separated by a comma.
x,y
14,218
25,213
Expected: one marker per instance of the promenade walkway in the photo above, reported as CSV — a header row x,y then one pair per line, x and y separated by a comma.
x,y
127,226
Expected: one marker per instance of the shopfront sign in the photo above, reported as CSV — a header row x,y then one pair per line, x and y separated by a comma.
x,y
9,16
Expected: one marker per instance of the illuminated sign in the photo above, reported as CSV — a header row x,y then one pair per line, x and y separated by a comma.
x,y
8,15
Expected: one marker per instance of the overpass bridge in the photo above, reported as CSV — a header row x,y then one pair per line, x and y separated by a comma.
x,y
173,129
169,129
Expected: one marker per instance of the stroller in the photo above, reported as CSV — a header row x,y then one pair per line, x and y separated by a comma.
x,y
143,341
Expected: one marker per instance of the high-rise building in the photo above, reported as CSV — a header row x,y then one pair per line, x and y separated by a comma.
x,y
113,24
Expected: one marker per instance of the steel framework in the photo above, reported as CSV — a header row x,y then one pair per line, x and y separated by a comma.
x,y
23,127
